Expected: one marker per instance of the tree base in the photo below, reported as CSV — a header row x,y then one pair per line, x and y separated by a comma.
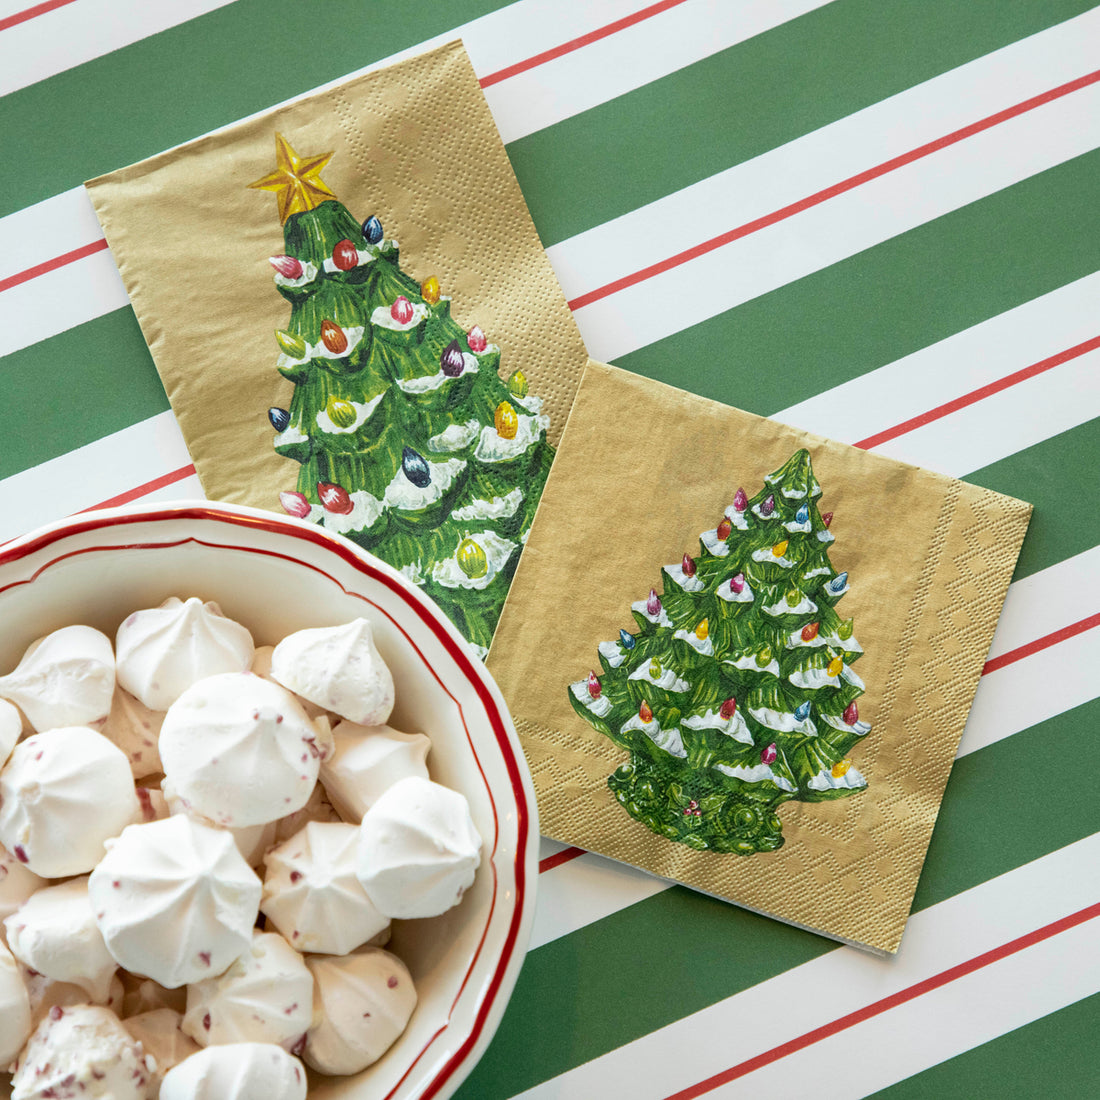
x,y
704,817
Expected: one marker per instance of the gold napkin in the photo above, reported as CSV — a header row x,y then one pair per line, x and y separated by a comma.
x,y
668,502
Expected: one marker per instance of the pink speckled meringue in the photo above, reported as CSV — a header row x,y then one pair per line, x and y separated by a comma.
x,y
239,750
17,883
364,1000
15,1008
66,678
83,1051
175,900
338,668
55,933
311,893
62,794
163,650
366,761
11,729
266,996
160,1035
243,1071
418,849
134,728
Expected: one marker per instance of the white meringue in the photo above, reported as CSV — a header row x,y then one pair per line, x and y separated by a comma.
x,y
15,1008
55,933
318,808
243,1071
266,996
418,849
17,883
11,728
160,1035
311,893
66,678
238,750
365,1000
261,666
62,794
82,1051
134,728
174,900
366,760
338,668
163,650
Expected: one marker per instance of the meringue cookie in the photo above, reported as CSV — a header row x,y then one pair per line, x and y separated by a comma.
x,y
238,750
62,794
243,1071
66,678
17,883
11,729
261,666
134,728
85,1051
365,1001
318,808
15,1008
160,1035
338,668
311,893
163,650
266,996
418,849
55,933
175,900
366,760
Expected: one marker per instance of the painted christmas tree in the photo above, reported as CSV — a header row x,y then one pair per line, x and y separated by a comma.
x,y
735,693
409,441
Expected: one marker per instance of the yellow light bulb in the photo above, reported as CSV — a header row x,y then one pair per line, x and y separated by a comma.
x,y
780,548
841,768
835,665
702,630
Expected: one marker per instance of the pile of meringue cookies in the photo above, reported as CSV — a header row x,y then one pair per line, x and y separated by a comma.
x,y
202,845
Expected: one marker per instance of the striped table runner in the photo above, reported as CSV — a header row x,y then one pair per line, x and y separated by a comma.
x,y
874,221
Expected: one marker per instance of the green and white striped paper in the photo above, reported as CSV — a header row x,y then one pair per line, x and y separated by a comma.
x,y
877,221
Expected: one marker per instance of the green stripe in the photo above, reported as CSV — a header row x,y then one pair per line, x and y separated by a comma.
x,y
888,301
664,958
1055,476
753,97
1044,1060
205,73
75,388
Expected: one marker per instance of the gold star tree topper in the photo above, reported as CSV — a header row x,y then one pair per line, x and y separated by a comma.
x,y
296,181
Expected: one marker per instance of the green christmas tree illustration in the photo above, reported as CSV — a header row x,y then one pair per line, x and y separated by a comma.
x,y
735,693
408,440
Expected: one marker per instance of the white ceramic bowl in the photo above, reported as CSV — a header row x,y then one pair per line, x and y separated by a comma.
x,y
277,575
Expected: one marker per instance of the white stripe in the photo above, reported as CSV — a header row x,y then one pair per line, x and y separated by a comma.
x,y
628,59
845,980
590,887
77,33
827,156
1005,423
951,368
92,474
941,1024
828,233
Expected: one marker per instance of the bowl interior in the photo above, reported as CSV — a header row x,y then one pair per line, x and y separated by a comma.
x,y
277,576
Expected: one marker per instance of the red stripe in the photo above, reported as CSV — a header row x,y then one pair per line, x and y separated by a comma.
x,y
51,265
831,192
878,1007
143,490
578,43
31,13
556,860
1042,643
979,394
